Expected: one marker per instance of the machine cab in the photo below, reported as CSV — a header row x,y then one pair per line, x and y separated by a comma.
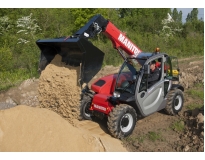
x,y
151,98
127,78
132,83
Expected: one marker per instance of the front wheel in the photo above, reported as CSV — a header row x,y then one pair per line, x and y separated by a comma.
x,y
84,108
121,121
175,102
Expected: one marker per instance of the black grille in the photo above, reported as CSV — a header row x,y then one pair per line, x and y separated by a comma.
x,y
100,83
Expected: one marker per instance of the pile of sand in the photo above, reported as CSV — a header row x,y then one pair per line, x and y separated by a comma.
x,y
32,129
25,128
59,89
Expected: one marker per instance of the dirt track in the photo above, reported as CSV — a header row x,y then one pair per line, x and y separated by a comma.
x,y
158,123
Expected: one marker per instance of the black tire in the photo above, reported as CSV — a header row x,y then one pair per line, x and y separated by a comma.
x,y
121,121
84,108
175,100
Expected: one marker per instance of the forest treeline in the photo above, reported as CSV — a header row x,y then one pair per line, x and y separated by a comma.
x,y
148,28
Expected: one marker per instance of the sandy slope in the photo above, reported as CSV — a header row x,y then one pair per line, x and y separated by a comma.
x,y
25,128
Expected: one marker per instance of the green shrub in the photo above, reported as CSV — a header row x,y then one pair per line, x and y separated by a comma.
x,y
5,59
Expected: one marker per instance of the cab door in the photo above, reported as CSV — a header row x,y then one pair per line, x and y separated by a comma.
x,y
150,99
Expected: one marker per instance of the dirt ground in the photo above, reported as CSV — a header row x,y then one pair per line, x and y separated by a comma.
x,y
49,122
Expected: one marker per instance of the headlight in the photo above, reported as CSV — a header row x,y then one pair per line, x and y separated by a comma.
x,y
116,94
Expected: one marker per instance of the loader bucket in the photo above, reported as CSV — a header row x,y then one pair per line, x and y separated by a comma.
x,y
75,52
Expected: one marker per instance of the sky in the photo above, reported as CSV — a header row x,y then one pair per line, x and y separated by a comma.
x,y
185,12
184,7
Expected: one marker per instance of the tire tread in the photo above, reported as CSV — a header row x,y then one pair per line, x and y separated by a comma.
x,y
113,118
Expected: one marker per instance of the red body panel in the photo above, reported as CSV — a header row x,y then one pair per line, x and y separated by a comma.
x,y
100,100
103,91
101,104
120,40
108,87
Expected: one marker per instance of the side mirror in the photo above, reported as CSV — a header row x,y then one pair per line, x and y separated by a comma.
x,y
146,69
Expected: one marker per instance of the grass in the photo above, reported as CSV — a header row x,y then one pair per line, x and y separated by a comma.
x,y
196,94
197,91
178,126
130,139
141,139
199,85
153,136
9,79
133,138
193,106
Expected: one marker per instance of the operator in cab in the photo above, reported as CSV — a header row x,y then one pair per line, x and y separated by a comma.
x,y
157,50
154,74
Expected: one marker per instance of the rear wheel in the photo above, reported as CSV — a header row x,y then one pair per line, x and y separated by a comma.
x,y
121,121
84,108
175,102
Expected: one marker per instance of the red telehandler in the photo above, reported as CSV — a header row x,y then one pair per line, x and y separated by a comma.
x,y
121,97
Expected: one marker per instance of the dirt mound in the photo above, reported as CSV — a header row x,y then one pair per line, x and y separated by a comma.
x,y
191,74
30,129
59,89
192,140
23,94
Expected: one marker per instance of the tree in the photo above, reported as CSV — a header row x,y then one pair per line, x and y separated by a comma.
x,y
143,19
28,28
193,16
168,29
180,16
177,16
82,15
5,24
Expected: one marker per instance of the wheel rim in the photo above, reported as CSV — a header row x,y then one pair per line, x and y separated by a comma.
x,y
126,122
177,102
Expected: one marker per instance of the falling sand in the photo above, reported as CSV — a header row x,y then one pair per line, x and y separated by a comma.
x,y
59,89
